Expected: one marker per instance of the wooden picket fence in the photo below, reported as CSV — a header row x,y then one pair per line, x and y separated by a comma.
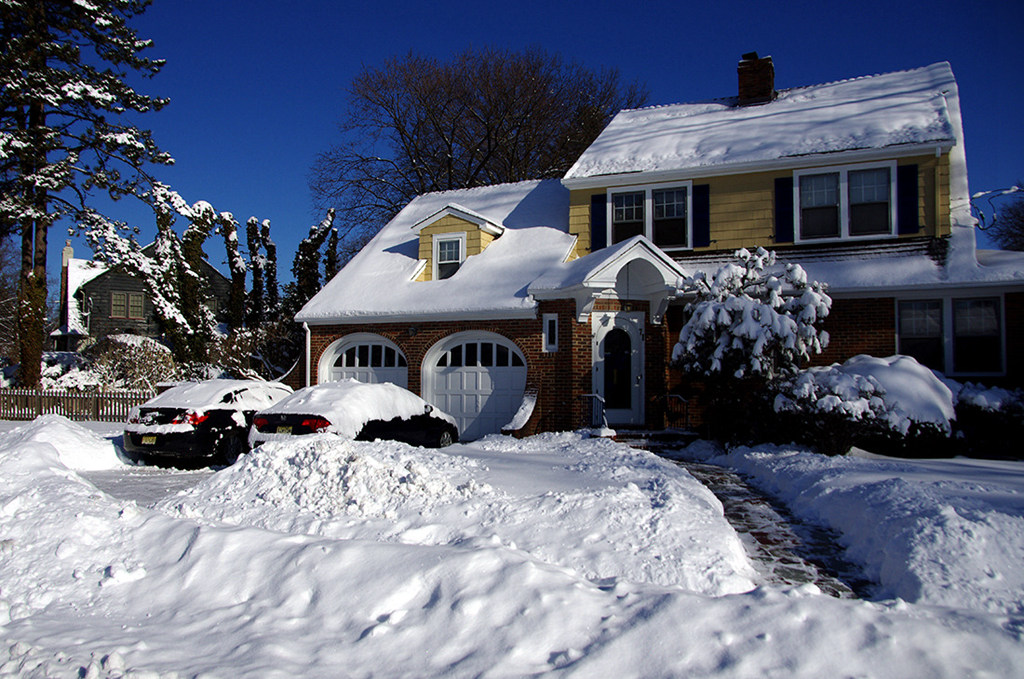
x,y
28,404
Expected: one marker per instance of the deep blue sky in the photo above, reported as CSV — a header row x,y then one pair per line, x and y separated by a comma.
x,y
257,86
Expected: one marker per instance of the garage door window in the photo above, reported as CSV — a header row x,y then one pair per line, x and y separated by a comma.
x,y
479,354
370,356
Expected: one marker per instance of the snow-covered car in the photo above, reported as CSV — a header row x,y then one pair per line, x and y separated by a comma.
x,y
199,420
356,410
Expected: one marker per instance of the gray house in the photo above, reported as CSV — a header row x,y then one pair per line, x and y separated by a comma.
x,y
96,301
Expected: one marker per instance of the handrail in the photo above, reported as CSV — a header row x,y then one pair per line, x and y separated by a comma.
x,y
600,400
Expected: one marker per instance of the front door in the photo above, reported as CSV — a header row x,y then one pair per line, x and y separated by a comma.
x,y
618,351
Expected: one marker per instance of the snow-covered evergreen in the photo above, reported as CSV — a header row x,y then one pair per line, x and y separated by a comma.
x,y
751,319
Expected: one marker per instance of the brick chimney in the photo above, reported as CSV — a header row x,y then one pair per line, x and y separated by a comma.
x,y
756,78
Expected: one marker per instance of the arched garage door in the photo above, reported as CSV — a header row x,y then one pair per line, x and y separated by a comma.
x,y
366,357
476,377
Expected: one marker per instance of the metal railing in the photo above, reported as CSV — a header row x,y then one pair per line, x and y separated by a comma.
x,y
597,416
28,404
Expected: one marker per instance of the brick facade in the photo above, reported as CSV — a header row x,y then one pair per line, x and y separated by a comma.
x,y
560,378
859,326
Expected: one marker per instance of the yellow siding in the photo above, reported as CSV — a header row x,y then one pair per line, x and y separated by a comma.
x,y
476,240
743,206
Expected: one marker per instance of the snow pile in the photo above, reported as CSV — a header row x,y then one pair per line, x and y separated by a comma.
x,y
95,587
941,532
76,447
596,507
897,391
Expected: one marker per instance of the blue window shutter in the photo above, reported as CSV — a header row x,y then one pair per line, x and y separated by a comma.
x,y
906,199
784,210
701,215
598,222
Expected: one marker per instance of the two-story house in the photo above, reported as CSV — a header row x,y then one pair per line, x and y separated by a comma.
x,y
566,289
96,301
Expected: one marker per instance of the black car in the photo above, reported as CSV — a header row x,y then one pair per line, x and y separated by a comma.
x,y
356,410
199,421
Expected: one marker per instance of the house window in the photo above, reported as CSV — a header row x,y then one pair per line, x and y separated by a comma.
x,y
977,336
954,336
661,213
449,253
849,202
921,332
550,332
126,305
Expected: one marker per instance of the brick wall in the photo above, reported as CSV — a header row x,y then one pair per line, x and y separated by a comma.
x,y
859,326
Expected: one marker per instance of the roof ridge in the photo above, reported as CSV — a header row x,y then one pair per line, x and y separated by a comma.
x,y
715,100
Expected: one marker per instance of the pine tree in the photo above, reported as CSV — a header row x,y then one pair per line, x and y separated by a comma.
x,y
257,301
63,68
237,267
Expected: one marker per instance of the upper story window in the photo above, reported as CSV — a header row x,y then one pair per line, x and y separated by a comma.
x,y
661,213
449,253
849,202
126,305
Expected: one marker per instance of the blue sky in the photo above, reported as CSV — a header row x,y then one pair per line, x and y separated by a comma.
x,y
257,86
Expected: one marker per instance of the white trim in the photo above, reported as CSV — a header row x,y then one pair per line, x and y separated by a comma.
x,y
602,181
648,191
305,326
844,201
408,318
632,323
439,238
325,366
549,333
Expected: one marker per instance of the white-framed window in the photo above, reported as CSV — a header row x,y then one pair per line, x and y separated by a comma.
x,y
449,253
854,201
550,332
662,212
957,336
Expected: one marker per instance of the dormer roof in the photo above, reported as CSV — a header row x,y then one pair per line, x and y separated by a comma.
x,y
464,213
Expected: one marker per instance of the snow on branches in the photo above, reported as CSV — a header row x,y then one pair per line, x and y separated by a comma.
x,y
751,318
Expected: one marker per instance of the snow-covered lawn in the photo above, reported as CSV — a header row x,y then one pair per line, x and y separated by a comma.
x,y
554,555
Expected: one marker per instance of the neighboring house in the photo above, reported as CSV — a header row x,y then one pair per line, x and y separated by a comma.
x,y
559,290
96,301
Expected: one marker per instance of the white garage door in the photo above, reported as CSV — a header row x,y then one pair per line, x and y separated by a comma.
x,y
368,359
478,379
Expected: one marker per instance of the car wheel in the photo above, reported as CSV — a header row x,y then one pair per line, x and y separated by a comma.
x,y
232,448
445,439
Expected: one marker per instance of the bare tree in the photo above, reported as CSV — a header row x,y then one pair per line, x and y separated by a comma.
x,y
1008,228
487,116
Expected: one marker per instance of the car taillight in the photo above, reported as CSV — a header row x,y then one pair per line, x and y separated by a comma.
x,y
190,417
261,423
315,424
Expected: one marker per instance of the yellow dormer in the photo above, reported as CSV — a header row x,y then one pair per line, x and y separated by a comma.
x,y
449,236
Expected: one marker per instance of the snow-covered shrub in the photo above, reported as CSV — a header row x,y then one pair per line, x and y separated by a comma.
x,y
989,420
752,322
894,403
67,370
130,362
751,319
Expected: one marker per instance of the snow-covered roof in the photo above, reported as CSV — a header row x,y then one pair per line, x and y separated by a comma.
x,y
379,281
872,112
80,272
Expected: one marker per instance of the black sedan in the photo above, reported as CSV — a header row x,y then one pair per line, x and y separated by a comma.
x,y
356,410
199,421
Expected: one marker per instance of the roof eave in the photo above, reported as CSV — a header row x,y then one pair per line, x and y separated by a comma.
x,y
776,164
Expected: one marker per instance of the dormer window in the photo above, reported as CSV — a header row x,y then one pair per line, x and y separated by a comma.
x,y
449,253
849,202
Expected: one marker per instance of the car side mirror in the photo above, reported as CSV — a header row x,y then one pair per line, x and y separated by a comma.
x,y
428,409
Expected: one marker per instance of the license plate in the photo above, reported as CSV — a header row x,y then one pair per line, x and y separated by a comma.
x,y
284,429
149,440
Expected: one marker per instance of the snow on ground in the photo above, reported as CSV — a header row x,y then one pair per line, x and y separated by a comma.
x,y
940,532
555,555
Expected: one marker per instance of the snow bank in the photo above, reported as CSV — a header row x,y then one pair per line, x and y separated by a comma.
x,y
90,586
943,532
74,446
596,507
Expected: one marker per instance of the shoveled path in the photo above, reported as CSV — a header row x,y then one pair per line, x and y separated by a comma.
x,y
785,551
